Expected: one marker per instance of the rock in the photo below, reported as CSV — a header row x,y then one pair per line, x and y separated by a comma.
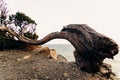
x,y
53,53
106,71
105,68
39,67
24,58
45,51
66,74
61,58
50,53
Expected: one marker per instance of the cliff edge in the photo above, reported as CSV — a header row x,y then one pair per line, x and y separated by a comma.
x,y
43,63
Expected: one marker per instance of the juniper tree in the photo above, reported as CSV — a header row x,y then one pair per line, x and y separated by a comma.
x,y
18,23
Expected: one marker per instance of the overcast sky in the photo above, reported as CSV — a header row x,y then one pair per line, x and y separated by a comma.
x,y
52,15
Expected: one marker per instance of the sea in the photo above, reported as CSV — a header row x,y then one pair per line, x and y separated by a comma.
x,y
66,50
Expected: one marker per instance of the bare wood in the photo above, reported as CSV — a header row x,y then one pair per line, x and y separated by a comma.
x,y
91,47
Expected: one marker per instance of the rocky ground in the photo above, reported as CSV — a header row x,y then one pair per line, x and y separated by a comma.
x,y
41,64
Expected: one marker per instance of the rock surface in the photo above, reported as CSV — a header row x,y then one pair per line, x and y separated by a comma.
x,y
34,65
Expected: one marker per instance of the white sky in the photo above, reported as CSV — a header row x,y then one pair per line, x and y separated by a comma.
x,y
52,15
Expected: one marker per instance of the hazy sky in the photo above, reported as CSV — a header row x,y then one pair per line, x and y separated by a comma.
x,y
52,15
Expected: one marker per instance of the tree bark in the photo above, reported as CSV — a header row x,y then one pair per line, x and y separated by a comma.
x,y
91,47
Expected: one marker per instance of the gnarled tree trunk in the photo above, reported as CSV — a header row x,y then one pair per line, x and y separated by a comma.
x,y
91,47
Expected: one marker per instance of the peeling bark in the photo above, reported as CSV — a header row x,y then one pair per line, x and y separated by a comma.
x,y
91,47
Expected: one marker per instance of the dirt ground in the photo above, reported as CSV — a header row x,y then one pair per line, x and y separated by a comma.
x,y
30,65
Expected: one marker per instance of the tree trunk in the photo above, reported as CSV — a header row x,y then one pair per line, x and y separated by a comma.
x,y
91,47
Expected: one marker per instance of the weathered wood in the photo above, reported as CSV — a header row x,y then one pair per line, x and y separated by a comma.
x,y
91,47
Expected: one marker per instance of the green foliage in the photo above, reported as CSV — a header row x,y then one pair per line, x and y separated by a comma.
x,y
31,36
6,41
2,34
19,23
5,35
11,44
2,19
20,18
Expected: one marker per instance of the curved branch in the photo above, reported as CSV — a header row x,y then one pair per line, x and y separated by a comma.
x,y
91,47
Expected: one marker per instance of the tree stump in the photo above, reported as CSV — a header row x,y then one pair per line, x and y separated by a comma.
x,y
91,47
